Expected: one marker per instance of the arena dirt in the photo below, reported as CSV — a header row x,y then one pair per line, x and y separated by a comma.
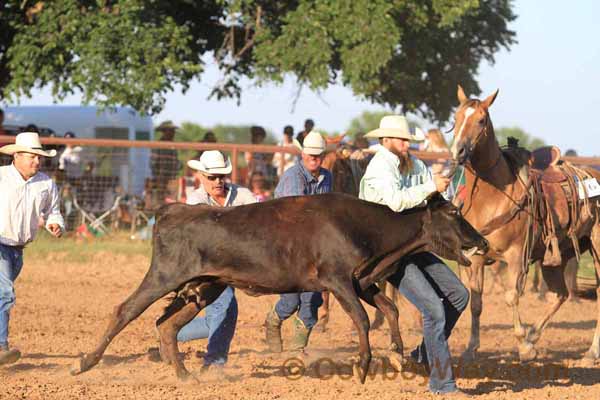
x,y
63,307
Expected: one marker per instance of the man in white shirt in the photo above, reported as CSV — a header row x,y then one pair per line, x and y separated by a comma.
x,y
27,195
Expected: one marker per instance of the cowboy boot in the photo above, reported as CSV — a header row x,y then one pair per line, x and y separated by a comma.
x,y
273,332
9,356
301,335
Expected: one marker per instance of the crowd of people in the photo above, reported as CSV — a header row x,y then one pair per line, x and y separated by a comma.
x,y
393,178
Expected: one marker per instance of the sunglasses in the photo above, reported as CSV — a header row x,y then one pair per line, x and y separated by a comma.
x,y
215,177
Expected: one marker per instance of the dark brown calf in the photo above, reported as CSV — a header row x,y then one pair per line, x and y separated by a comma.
x,y
329,242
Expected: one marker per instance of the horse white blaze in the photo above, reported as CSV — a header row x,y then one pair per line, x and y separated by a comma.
x,y
468,112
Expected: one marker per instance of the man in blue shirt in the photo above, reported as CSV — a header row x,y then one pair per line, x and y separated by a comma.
x,y
304,178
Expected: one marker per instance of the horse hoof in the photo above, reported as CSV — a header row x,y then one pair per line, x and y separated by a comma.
x,y
527,352
469,355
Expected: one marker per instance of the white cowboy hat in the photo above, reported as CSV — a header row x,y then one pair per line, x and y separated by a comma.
x,y
394,126
211,162
314,144
27,142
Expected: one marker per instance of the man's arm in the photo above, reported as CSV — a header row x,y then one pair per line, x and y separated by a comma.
x,y
386,189
55,223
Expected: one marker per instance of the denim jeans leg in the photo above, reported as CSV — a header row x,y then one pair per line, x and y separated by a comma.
x,y
194,330
454,294
221,317
11,262
287,305
309,308
413,284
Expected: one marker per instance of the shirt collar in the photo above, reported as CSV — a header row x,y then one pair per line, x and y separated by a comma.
x,y
310,176
17,175
228,198
388,155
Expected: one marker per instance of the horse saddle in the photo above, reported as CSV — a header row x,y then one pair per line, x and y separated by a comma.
x,y
547,160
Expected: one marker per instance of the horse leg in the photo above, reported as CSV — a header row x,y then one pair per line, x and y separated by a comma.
x,y
325,308
346,295
376,298
147,293
176,316
571,278
555,279
594,351
514,271
475,274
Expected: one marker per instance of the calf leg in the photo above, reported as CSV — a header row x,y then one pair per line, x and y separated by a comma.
x,y
146,294
373,296
324,319
177,315
346,295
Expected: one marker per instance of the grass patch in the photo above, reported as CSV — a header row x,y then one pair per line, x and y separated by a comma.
x,y
85,250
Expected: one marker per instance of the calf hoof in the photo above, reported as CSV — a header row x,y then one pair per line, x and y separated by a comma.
x,y
84,363
360,369
183,374
527,352
396,360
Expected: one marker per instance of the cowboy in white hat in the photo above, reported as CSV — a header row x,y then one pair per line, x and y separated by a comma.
x,y
304,178
27,196
212,169
400,181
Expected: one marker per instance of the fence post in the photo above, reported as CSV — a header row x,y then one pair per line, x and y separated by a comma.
x,y
234,165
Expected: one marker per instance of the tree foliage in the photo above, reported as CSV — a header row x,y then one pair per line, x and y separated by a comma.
x,y
525,140
406,54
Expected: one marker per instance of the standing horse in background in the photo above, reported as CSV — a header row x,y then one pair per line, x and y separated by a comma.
x,y
500,203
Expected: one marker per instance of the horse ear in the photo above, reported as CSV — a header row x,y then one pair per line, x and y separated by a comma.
x,y
462,98
490,99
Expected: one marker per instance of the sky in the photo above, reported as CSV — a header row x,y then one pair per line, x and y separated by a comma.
x,y
549,85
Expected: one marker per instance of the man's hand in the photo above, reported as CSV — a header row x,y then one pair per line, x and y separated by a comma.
x,y
55,230
441,183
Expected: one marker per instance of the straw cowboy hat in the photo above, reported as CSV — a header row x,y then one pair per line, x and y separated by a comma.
x,y
394,126
314,144
27,142
211,162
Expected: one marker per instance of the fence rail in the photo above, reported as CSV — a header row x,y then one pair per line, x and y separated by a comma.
x,y
233,148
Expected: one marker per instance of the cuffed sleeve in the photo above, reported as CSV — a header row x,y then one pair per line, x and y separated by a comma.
x,y
53,209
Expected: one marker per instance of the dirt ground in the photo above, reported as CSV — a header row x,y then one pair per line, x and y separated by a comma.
x,y
63,307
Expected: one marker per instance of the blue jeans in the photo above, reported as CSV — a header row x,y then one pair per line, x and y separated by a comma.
x,y
218,326
11,262
441,297
306,303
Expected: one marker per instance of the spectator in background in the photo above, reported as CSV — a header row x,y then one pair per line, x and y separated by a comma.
x,y
164,163
4,159
257,162
435,143
283,161
258,187
309,124
2,131
69,161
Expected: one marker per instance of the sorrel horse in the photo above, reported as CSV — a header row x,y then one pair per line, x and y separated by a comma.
x,y
495,191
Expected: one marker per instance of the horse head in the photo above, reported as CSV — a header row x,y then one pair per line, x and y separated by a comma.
x,y
471,124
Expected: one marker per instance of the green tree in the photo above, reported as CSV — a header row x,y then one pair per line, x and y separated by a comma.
x,y
525,140
407,54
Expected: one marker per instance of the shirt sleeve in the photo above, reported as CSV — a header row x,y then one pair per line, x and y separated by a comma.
x,y
291,184
245,196
387,189
53,209
195,198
